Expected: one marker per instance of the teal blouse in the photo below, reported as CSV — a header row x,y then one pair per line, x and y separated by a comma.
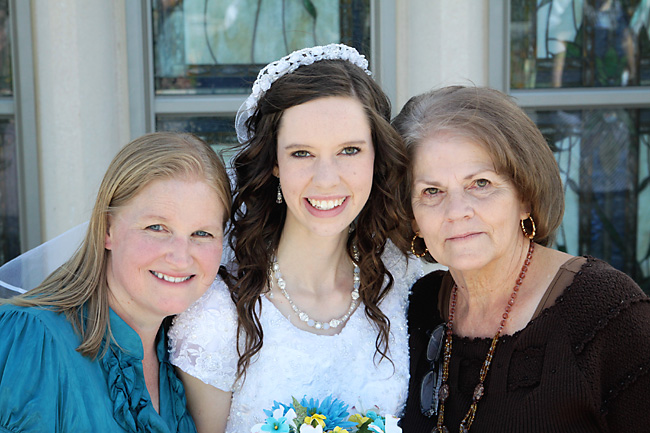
x,y
47,386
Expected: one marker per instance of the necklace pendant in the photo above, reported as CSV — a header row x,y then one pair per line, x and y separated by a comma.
x,y
443,394
478,392
463,428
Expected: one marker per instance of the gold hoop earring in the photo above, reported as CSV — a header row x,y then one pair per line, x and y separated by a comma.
x,y
523,228
424,253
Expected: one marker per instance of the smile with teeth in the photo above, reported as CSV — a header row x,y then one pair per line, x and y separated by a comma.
x,y
326,204
171,279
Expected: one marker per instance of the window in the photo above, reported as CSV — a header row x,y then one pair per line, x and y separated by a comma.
x,y
9,241
202,56
581,69
19,199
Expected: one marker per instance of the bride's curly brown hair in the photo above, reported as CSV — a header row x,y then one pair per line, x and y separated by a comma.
x,y
258,220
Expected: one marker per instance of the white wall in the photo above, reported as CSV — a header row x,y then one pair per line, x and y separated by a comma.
x,y
439,43
81,103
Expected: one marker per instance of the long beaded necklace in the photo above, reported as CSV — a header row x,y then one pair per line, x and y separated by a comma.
x,y
333,323
467,421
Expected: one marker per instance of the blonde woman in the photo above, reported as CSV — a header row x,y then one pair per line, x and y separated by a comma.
x,y
86,350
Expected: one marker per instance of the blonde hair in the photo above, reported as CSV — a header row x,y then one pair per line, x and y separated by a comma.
x,y
79,288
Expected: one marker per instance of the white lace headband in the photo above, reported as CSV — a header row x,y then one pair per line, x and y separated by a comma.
x,y
274,70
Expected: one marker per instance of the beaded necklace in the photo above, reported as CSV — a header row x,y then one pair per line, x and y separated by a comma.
x,y
479,391
333,323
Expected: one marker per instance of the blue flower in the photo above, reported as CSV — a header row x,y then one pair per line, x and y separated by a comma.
x,y
379,423
335,412
278,405
279,425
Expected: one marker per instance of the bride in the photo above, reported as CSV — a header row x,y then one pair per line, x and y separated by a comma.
x,y
317,303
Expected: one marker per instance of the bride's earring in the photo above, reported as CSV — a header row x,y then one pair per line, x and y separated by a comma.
x,y
278,197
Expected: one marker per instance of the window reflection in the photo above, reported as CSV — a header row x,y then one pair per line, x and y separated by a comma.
x,y
580,43
5,50
218,132
604,159
218,46
9,233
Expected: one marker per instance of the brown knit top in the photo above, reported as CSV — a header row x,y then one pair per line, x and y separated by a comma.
x,y
580,365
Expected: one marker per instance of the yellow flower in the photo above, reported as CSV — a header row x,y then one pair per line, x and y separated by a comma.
x,y
315,417
340,430
358,418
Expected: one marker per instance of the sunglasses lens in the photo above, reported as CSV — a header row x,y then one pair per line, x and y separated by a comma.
x,y
435,343
428,393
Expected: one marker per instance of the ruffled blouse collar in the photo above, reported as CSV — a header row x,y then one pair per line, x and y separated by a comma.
x,y
132,407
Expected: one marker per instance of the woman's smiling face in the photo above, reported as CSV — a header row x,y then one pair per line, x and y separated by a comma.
x,y
467,213
165,248
325,164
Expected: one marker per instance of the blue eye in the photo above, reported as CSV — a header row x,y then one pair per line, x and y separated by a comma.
x,y
202,234
482,183
155,227
350,150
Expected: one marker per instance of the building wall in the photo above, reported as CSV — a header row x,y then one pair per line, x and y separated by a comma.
x,y
82,116
440,43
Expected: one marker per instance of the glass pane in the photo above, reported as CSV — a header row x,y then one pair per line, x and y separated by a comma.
x,y
5,50
219,46
604,159
9,233
218,132
578,43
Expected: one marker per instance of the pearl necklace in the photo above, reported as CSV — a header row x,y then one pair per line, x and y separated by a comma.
x,y
333,323
479,391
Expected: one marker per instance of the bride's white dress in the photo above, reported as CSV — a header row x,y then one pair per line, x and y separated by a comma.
x,y
296,363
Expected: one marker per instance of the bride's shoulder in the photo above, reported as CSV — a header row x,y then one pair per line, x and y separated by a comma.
x,y
215,304
405,269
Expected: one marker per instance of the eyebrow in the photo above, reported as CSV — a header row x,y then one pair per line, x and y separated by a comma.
x,y
469,176
293,146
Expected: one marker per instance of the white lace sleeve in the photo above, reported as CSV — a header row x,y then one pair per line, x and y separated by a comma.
x,y
405,271
202,339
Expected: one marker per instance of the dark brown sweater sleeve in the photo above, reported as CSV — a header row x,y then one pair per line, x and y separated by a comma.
x,y
608,318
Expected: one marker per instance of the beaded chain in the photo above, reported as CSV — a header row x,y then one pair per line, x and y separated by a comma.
x,y
333,323
479,391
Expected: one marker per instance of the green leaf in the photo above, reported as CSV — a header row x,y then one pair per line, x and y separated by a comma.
x,y
301,412
311,9
363,428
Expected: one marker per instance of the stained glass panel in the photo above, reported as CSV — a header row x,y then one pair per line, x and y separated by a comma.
x,y
218,46
579,43
604,158
218,132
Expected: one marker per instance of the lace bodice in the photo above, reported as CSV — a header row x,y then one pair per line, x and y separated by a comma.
x,y
293,362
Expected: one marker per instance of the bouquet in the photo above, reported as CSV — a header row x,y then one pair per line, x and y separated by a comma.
x,y
310,416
